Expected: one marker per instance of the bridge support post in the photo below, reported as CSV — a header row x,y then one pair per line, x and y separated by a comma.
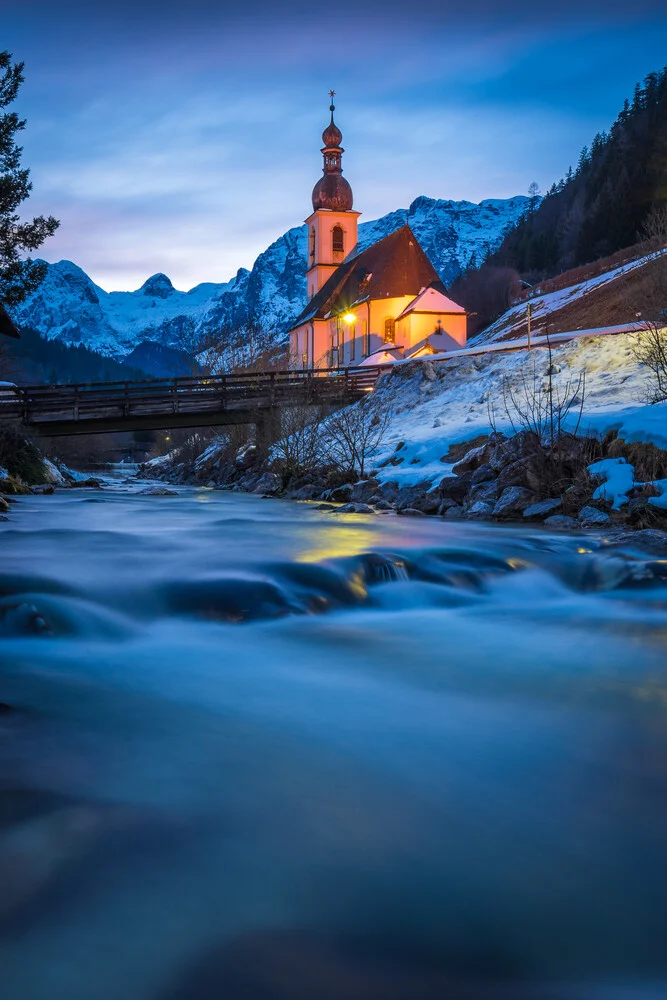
x,y
267,431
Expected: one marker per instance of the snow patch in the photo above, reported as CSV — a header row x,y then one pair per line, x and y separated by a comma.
x,y
618,479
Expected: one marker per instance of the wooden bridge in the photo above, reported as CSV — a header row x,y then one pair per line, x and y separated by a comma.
x,y
160,404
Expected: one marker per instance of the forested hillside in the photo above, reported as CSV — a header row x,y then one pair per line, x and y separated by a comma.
x,y
596,210
34,359
601,206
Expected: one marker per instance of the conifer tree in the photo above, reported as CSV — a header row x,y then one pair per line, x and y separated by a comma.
x,y
18,275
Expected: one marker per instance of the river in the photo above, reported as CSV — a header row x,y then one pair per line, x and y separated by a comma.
x,y
254,750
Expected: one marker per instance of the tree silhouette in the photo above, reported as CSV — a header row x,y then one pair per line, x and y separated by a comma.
x,y
18,275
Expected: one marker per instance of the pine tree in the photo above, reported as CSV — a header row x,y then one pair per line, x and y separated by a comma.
x,y
18,276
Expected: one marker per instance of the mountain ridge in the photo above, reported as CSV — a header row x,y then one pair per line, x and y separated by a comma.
x,y
70,307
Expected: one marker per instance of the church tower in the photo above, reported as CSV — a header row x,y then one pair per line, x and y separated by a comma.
x,y
332,227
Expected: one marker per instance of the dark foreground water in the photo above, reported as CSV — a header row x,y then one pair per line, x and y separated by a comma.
x,y
257,751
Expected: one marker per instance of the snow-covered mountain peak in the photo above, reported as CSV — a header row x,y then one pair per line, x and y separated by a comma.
x,y
70,307
158,286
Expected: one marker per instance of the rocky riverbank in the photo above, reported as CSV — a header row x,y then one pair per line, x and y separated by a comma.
x,y
24,470
578,483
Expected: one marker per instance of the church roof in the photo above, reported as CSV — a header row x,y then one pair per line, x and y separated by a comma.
x,y
432,300
392,267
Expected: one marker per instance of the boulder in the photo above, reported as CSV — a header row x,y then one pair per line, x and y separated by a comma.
x,y
543,508
325,506
384,505
483,474
4,506
409,495
388,490
454,513
429,503
411,512
455,487
158,491
560,521
364,490
479,511
245,456
513,501
472,460
52,473
42,489
341,494
354,508
527,471
270,483
505,451
362,508
248,482
446,505
590,516
484,491
309,492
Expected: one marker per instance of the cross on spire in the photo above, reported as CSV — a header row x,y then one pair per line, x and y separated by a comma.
x,y
332,94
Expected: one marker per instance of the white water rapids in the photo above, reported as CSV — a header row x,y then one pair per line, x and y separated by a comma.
x,y
256,751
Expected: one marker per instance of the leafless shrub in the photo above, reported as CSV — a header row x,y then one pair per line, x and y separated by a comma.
x,y
650,347
300,445
537,404
352,436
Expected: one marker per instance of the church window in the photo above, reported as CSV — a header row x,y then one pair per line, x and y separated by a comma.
x,y
311,248
365,337
338,243
390,331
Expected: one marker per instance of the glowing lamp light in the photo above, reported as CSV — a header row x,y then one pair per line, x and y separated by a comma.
x,y
349,318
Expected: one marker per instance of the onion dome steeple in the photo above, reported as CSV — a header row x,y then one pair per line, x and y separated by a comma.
x,y
332,191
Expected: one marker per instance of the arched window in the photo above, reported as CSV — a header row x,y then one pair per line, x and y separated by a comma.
x,y
389,331
338,242
311,245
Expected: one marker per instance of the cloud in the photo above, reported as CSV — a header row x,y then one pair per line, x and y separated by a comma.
x,y
184,138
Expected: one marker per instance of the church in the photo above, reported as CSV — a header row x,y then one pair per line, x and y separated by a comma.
x,y
370,306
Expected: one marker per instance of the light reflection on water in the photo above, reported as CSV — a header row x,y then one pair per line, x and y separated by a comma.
x,y
261,751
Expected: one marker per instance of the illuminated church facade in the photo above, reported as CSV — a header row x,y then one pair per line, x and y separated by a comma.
x,y
370,306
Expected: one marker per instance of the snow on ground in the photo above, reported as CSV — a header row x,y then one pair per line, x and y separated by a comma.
x,y
618,478
436,404
660,501
542,305
157,464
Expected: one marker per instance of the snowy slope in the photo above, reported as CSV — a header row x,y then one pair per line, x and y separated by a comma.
x,y
507,325
454,404
70,307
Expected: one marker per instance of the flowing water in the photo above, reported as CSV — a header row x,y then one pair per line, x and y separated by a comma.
x,y
253,750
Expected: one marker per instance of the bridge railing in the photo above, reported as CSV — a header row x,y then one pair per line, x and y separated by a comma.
x,y
86,401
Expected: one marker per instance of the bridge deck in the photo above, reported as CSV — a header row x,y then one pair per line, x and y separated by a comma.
x,y
100,407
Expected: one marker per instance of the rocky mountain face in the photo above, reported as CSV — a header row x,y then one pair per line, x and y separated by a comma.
x,y
70,307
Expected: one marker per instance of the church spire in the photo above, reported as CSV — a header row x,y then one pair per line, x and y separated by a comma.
x,y
332,191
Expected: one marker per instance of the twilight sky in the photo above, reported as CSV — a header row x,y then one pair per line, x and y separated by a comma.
x,y
184,137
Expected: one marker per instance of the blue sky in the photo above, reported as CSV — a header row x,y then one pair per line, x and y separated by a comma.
x,y
185,137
